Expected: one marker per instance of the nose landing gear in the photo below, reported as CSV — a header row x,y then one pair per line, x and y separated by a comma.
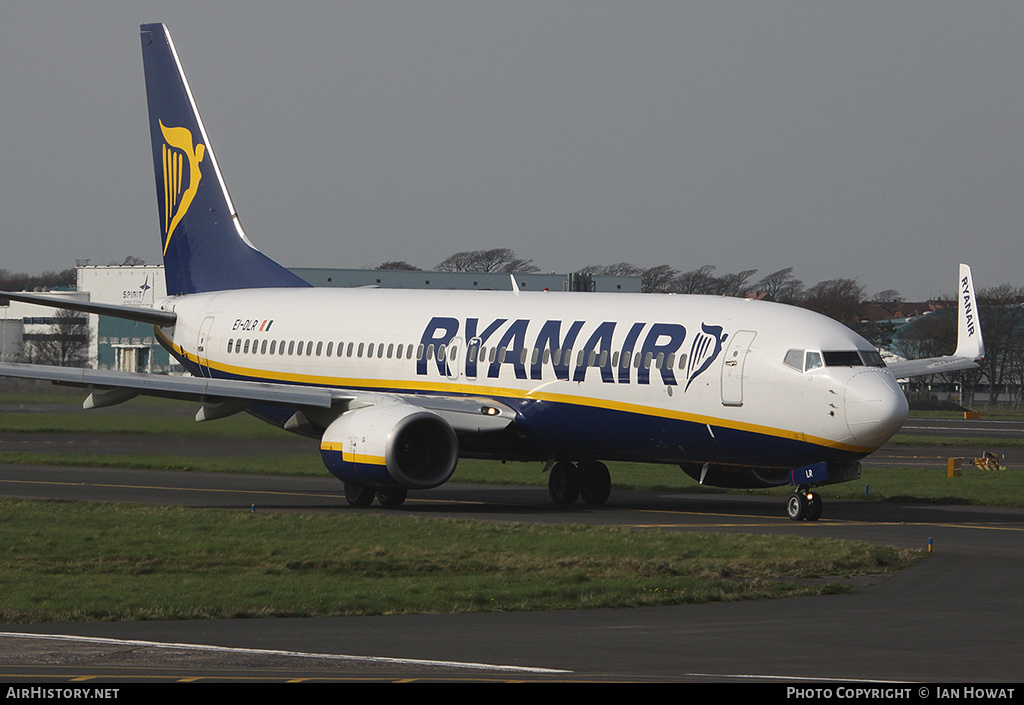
x,y
804,504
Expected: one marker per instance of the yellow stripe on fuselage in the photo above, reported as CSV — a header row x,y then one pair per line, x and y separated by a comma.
x,y
404,386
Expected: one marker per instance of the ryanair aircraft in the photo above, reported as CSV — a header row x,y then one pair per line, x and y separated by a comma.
x,y
399,385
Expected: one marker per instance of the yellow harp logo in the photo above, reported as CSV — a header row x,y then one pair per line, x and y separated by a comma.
x,y
177,152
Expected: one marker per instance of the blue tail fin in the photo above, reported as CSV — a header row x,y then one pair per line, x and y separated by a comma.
x,y
204,246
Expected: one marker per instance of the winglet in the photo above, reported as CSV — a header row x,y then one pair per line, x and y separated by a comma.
x,y
969,346
969,343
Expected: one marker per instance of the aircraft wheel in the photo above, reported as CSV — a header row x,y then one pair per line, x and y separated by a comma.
x,y
796,506
564,483
815,506
359,495
595,483
391,496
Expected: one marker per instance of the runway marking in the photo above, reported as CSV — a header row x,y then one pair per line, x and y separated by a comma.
x,y
276,652
167,488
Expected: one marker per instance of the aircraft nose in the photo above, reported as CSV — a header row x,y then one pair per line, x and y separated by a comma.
x,y
875,407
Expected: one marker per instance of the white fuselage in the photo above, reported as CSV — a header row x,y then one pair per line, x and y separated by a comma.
x,y
666,378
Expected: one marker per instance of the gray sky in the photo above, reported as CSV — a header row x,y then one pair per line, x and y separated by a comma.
x,y
882,141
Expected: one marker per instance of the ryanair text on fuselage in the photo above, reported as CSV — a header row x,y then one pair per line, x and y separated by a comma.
x,y
558,344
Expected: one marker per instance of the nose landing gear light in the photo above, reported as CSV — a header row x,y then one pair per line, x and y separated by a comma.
x,y
804,505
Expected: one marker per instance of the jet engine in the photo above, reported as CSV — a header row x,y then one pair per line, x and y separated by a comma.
x,y
391,445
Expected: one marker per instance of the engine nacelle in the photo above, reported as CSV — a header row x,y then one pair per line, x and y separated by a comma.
x,y
391,445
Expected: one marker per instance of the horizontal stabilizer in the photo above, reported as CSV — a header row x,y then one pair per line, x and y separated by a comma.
x,y
131,313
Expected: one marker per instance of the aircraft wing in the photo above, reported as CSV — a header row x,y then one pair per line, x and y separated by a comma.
x,y
130,384
970,348
223,397
930,366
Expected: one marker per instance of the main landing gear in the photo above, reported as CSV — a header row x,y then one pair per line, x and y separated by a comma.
x,y
363,495
804,504
589,481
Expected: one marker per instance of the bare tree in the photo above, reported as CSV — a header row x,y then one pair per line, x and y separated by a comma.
x,y
836,298
499,259
887,295
65,345
660,279
130,261
734,284
620,269
399,265
1002,323
781,286
19,281
697,281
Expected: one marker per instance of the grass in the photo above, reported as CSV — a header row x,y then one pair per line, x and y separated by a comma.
x,y
156,416
74,561
124,562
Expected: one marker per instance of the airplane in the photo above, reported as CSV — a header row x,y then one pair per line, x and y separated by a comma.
x,y
399,385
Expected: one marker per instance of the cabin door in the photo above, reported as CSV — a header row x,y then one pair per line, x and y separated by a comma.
x,y
202,343
732,367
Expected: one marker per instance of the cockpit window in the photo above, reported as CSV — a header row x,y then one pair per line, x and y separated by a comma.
x,y
872,358
808,360
853,358
842,358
